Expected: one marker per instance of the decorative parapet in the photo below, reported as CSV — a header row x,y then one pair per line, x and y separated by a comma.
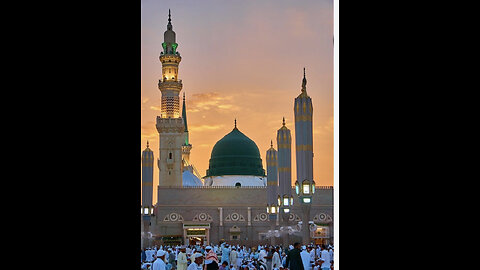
x,y
170,58
170,85
169,125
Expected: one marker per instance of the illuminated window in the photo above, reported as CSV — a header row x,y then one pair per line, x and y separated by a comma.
x,y
307,200
306,187
285,200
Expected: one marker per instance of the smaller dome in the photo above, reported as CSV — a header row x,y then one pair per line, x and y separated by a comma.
x,y
189,179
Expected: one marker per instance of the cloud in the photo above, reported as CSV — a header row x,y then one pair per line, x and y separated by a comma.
x,y
205,128
211,101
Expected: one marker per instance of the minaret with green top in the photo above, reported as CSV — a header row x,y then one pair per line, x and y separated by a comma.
x,y
170,125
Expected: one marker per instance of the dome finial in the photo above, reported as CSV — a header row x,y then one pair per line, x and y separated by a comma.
x,y
271,143
235,122
147,144
283,121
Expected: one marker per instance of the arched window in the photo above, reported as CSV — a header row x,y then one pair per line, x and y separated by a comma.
x,y
238,184
170,155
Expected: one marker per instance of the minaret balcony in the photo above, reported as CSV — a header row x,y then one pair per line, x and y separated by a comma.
x,y
168,84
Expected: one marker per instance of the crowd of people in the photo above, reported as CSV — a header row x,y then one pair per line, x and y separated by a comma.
x,y
235,257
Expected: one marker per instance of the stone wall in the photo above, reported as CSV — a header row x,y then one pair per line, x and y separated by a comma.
x,y
201,204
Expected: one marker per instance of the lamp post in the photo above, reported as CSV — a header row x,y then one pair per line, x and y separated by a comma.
x,y
285,203
147,213
305,191
272,211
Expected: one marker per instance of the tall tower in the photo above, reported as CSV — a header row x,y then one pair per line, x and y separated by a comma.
x,y
170,125
186,146
284,145
304,186
272,176
304,135
147,177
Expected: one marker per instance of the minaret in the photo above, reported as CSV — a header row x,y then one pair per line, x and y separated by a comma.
x,y
304,135
186,146
147,177
272,176
284,145
170,125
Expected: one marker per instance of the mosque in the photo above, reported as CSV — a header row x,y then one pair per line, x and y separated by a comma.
x,y
237,200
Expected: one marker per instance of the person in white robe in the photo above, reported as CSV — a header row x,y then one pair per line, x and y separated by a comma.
x,y
240,255
305,258
150,255
225,254
197,262
233,258
312,254
182,259
331,253
326,259
276,262
159,263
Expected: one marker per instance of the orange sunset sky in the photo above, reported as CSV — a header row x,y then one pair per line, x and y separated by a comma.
x,y
243,60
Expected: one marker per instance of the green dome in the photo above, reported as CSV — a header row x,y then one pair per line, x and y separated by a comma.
x,y
235,154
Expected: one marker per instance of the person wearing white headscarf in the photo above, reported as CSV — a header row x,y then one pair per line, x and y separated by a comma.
x,y
305,258
197,262
159,263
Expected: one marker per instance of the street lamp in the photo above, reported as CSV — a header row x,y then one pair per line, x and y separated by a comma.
x,y
305,191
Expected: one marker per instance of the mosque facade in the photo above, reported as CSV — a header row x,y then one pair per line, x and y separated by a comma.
x,y
229,203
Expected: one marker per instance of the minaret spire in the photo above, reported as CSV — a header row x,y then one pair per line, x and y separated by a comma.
x,y
184,114
169,25
304,81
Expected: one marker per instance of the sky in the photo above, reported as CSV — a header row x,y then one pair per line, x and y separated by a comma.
x,y
243,60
